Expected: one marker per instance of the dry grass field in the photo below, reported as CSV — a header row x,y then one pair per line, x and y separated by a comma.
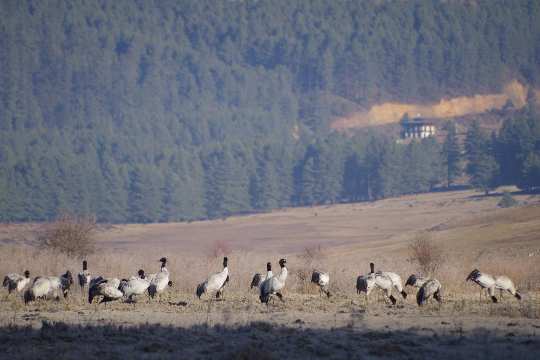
x,y
471,231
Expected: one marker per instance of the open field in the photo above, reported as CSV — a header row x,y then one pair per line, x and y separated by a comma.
x,y
342,239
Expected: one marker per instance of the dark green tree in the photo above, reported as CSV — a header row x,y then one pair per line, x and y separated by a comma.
x,y
144,201
531,171
482,167
392,172
309,194
515,142
354,178
452,154
227,184
375,157
265,186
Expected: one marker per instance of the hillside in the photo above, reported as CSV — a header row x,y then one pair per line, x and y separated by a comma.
x,y
514,95
461,220
457,219
149,111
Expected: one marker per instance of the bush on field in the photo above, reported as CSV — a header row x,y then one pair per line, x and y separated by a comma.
x,y
427,255
70,234
307,262
507,200
219,249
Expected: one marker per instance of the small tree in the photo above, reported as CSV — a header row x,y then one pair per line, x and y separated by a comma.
x,y
219,249
71,234
482,167
452,154
507,200
483,173
308,260
426,254
531,172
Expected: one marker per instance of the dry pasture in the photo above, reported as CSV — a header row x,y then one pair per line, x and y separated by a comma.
x,y
342,239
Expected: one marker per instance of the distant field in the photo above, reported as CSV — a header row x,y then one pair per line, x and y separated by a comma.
x,y
377,224
341,239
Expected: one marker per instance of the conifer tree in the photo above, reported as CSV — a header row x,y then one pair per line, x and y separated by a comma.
x,y
452,154
310,174
482,167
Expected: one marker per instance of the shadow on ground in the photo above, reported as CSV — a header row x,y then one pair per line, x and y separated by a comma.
x,y
261,340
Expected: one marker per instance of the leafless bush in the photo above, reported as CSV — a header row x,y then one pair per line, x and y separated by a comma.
x,y
70,234
308,261
219,249
427,255
312,255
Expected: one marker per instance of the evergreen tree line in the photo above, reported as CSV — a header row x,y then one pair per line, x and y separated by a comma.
x,y
234,178
227,179
511,157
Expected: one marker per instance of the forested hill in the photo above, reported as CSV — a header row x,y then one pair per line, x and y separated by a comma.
x,y
169,110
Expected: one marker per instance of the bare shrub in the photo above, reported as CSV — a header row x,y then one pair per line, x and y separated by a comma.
x,y
427,255
308,261
507,201
70,234
312,255
219,249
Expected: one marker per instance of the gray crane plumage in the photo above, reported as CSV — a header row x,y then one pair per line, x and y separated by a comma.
x,y
215,282
274,285
429,288
16,282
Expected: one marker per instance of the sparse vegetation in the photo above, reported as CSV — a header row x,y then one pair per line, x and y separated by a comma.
x,y
219,249
507,200
70,234
239,326
310,258
426,254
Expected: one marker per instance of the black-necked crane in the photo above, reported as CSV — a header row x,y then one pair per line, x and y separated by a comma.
x,y
430,288
274,285
215,282
386,281
487,281
321,279
16,282
159,281
45,286
416,281
258,278
109,289
84,276
136,285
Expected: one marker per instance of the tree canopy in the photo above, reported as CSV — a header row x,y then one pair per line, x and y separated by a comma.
x,y
165,110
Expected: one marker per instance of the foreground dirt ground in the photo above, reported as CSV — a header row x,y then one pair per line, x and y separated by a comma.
x,y
382,331
239,327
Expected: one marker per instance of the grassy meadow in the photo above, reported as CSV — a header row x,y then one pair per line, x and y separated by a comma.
x,y
470,231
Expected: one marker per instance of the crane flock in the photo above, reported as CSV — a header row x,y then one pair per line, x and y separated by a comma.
x,y
269,285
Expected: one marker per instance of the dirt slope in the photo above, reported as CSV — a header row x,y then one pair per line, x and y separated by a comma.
x,y
392,112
